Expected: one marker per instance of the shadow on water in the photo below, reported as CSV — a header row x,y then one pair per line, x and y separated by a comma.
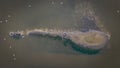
x,y
68,42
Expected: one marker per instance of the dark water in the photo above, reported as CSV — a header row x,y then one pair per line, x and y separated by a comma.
x,y
39,52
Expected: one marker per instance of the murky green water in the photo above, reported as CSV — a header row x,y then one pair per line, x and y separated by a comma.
x,y
37,52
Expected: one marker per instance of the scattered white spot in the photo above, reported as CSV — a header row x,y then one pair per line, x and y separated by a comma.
x,y
14,55
6,21
4,39
118,11
29,6
0,21
61,3
53,2
10,46
9,16
14,59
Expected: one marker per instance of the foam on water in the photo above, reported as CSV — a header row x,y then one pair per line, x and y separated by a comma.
x,y
91,38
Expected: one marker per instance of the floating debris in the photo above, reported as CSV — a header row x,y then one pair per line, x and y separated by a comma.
x,y
88,42
16,35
